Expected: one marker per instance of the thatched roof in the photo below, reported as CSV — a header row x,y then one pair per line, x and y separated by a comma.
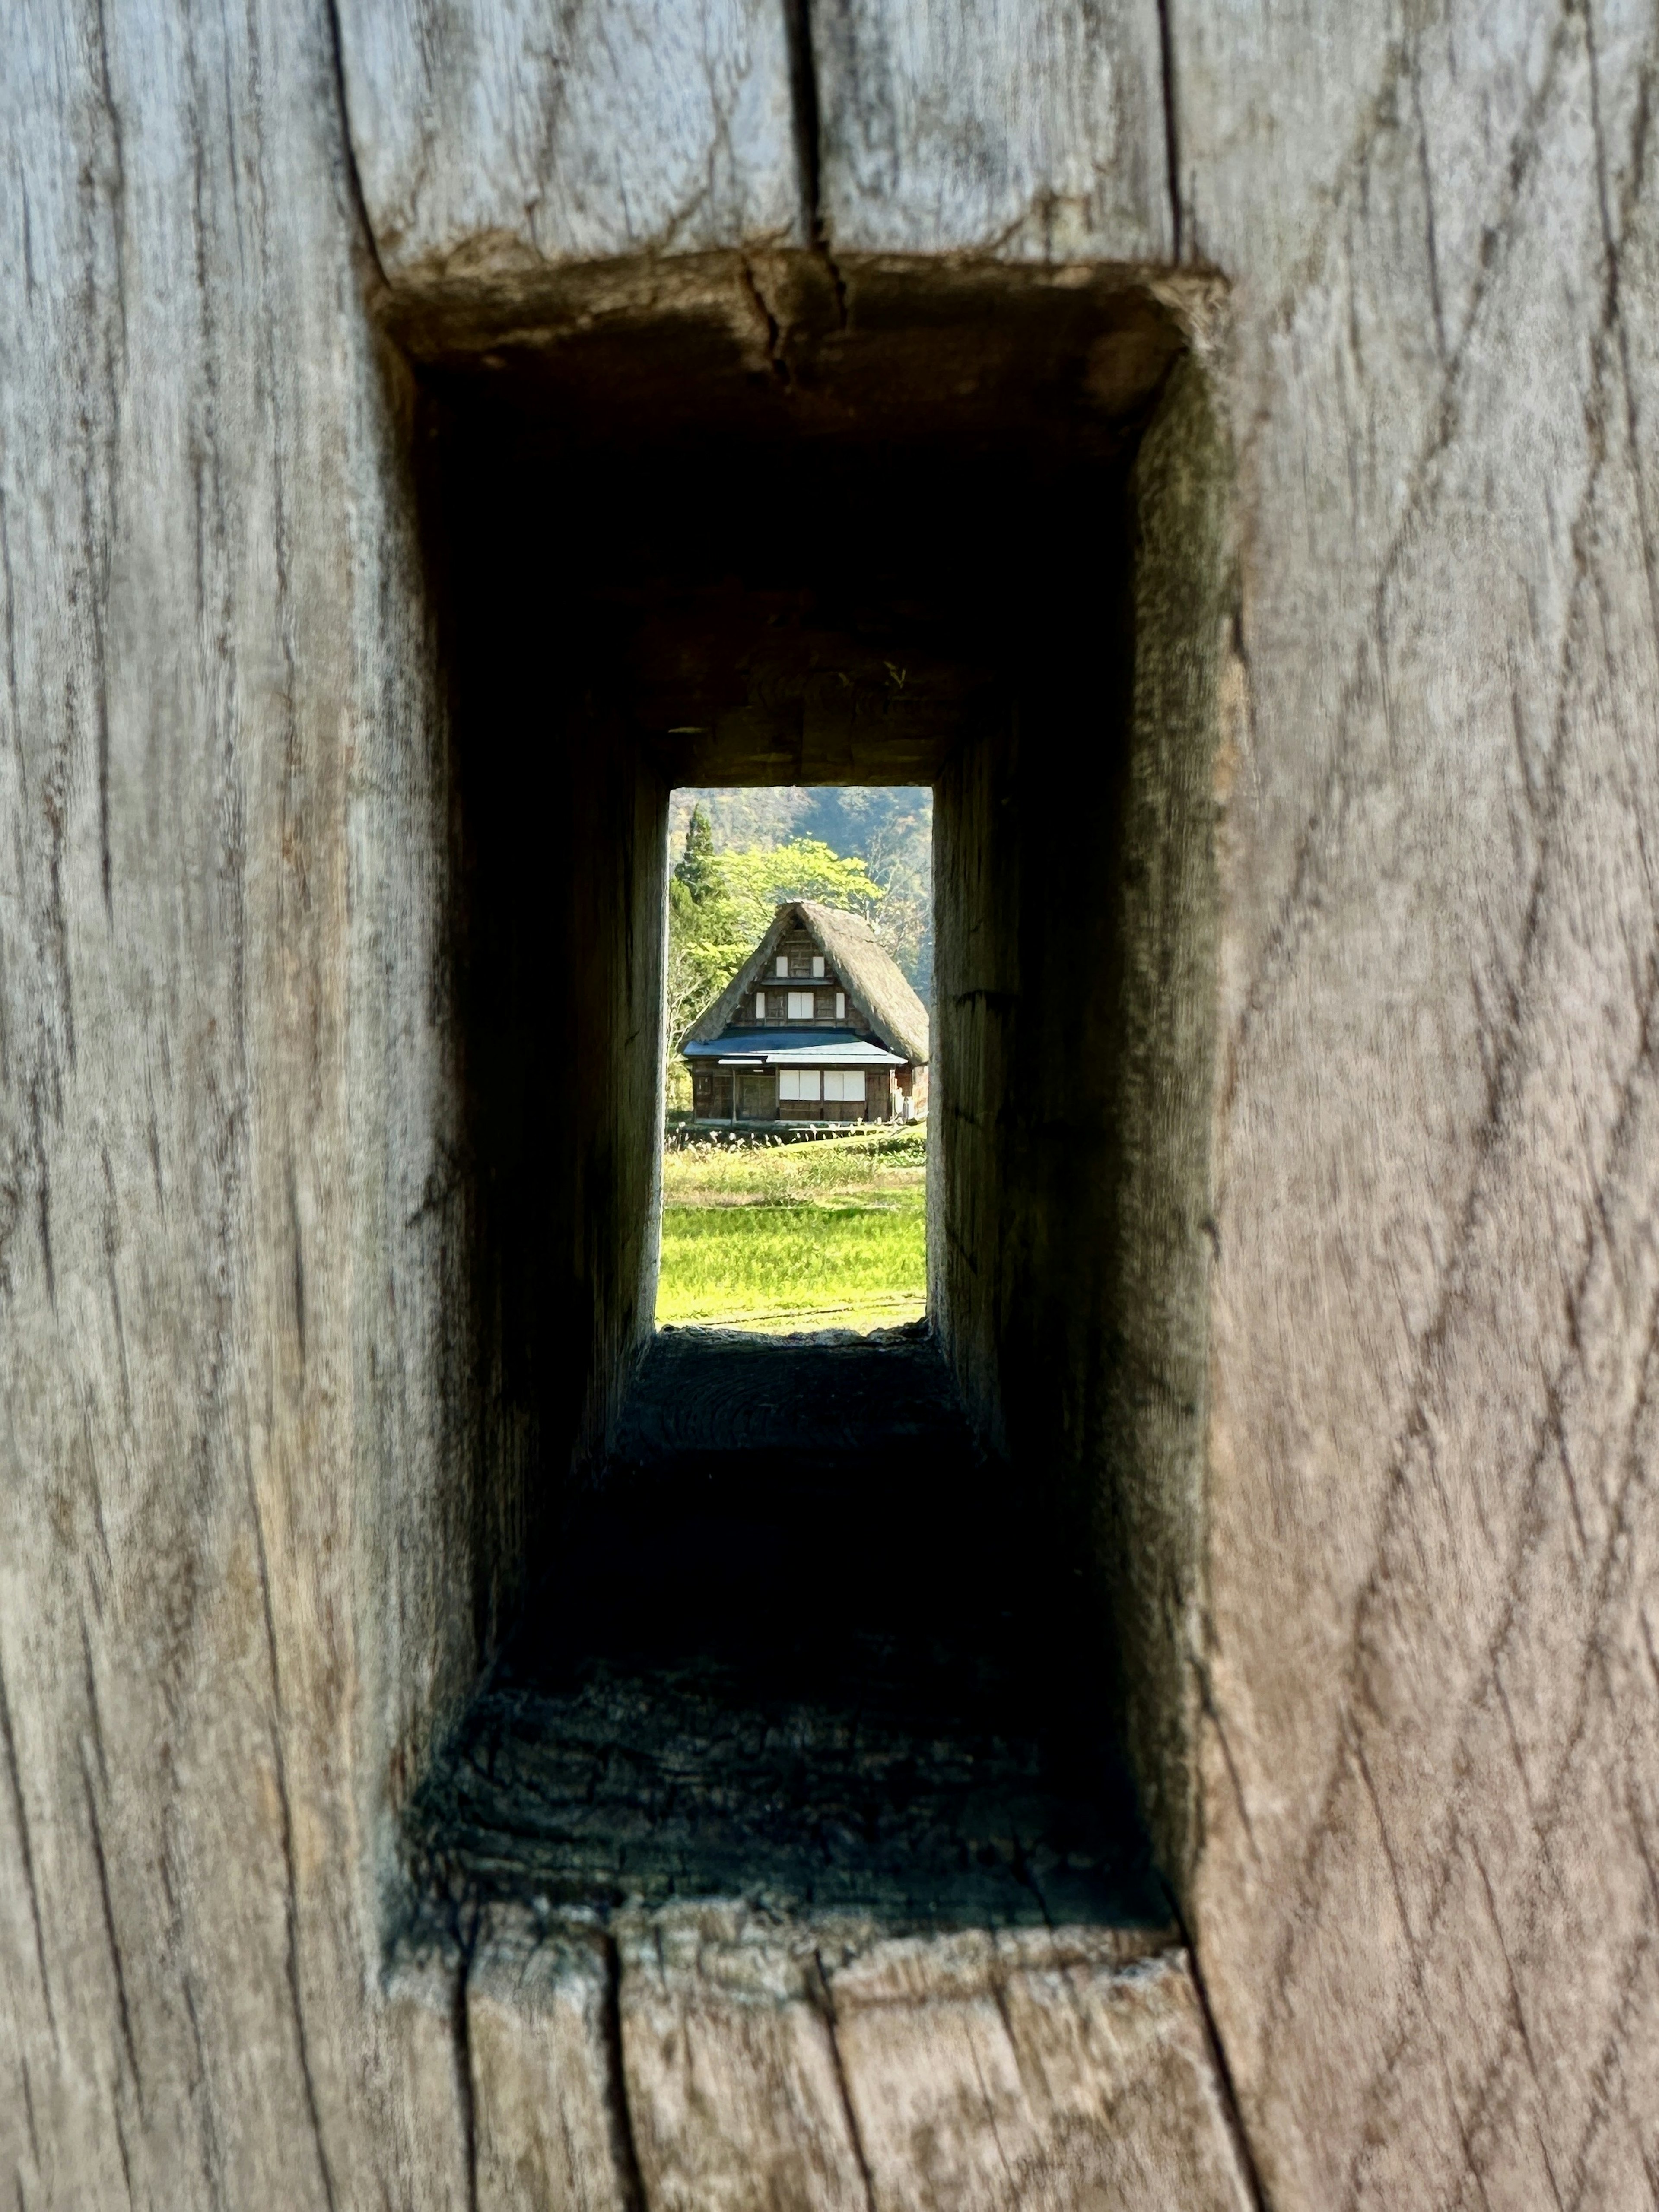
x,y
869,976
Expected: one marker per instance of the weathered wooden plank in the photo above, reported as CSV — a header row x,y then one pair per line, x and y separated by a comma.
x,y
1058,2068
545,2096
989,127
780,2065
734,2087
494,142
226,1624
434,2157
237,1557
1425,1905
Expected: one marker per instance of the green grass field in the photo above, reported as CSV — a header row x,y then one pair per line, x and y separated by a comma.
x,y
825,1234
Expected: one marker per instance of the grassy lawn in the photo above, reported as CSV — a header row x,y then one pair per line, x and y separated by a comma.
x,y
779,1236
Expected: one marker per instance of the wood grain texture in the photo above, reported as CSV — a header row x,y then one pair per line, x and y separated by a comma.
x,y
244,1578
1069,1251
709,2056
733,2081
820,2065
229,1522
1154,1506
989,127
540,2037
496,141
1055,2067
420,2008
1425,1905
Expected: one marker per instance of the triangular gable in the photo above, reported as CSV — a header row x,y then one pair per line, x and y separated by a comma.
x,y
853,962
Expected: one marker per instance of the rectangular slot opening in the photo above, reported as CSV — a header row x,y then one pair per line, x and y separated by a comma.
x,y
881,1626
800,960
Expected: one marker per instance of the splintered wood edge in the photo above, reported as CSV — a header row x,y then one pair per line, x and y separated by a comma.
x,y
669,2055
517,1954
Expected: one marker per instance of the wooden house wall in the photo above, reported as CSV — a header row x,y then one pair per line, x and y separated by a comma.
x,y
711,1097
823,1015
798,948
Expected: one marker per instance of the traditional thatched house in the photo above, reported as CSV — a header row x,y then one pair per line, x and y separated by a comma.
x,y
818,1026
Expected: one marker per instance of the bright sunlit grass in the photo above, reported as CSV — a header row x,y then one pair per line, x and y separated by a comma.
x,y
826,1233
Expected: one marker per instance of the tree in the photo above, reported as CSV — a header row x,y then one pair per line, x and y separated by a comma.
x,y
889,829
697,869
899,856
706,948
757,882
707,943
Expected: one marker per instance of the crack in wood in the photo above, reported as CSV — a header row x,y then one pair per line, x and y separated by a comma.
x,y
124,2010
26,1848
1166,55
463,1928
1239,2134
821,1997
631,2180
367,242
285,1830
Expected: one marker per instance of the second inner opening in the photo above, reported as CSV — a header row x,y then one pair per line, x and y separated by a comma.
x,y
798,969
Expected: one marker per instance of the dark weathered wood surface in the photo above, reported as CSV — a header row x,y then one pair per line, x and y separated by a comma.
x,y
757,1897
681,1716
730,1395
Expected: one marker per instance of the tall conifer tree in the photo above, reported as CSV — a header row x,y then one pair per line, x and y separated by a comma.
x,y
696,868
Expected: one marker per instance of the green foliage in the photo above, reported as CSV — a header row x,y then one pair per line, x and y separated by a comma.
x,y
890,830
720,903
707,946
756,881
708,939
869,1164
696,872
795,1236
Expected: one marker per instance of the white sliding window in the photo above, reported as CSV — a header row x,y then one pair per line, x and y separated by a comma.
x,y
800,1006
759,1005
846,1084
797,1083
841,1005
782,968
817,963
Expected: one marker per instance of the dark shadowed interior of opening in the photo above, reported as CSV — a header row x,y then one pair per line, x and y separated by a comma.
x,y
825,1622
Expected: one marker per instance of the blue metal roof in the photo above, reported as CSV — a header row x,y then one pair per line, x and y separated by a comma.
x,y
797,1047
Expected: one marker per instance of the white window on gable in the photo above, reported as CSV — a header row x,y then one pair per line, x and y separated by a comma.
x,y
817,963
798,1084
759,1005
800,1006
846,1084
841,1005
782,967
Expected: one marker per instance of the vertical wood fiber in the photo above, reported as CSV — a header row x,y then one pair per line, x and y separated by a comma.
x,y
234,1531
1425,1905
